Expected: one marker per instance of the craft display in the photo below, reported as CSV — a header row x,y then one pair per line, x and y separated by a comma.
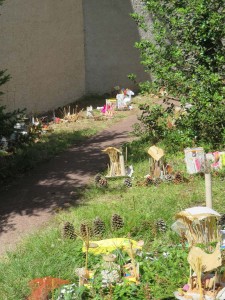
x,y
110,245
117,167
195,160
124,98
89,112
109,108
216,159
199,225
157,169
41,287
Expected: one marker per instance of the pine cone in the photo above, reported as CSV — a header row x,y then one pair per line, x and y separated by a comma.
x,y
222,221
98,226
127,182
103,182
97,178
157,181
85,230
178,178
117,222
141,183
149,181
169,178
68,231
161,225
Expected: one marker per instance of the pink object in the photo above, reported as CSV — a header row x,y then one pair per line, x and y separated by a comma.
x,y
105,108
57,120
186,287
197,164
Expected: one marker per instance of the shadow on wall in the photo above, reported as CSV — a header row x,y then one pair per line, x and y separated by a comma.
x,y
110,35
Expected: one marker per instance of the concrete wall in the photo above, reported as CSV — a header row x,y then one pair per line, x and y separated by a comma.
x,y
42,46
57,51
110,34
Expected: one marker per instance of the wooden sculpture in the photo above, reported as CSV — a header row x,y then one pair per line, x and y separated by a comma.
x,y
156,164
117,167
200,227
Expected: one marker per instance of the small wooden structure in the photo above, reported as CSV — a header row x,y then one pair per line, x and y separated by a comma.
x,y
156,162
117,167
200,227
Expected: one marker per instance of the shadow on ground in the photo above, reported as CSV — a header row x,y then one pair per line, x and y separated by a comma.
x,y
58,183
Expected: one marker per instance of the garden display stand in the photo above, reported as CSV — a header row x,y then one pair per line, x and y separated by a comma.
x,y
117,166
156,161
200,227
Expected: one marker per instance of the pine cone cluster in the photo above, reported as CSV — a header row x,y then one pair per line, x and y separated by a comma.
x,y
117,222
98,226
69,231
161,225
127,182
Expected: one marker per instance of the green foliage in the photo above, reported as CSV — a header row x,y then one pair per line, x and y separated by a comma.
x,y
8,120
140,21
187,58
3,77
154,122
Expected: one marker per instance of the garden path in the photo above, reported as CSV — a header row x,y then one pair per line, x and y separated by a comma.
x,y
31,201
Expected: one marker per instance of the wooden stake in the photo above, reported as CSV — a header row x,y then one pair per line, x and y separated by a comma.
x,y
122,166
126,155
208,189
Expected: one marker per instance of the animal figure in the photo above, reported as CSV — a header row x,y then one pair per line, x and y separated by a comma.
x,y
209,262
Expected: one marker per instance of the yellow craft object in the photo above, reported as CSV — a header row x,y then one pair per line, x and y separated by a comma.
x,y
110,245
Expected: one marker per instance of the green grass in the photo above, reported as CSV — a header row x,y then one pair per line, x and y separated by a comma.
x,y
46,253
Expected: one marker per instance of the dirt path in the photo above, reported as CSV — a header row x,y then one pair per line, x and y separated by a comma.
x,y
32,200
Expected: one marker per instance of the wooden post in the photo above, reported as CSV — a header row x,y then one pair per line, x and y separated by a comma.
x,y
208,189
208,184
122,166
126,155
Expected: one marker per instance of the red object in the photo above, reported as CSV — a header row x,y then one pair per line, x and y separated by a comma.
x,y
41,287
57,120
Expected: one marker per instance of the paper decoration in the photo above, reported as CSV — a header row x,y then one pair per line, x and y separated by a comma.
x,y
156,153
195,160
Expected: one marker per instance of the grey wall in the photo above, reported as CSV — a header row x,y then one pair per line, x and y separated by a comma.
x,y
110,34
42,48
57,51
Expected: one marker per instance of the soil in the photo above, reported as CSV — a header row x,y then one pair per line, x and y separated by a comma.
x,y
33,199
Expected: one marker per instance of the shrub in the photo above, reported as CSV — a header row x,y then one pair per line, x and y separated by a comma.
x,y
187,57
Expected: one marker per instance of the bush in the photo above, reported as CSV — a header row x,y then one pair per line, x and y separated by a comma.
x,y
187,57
